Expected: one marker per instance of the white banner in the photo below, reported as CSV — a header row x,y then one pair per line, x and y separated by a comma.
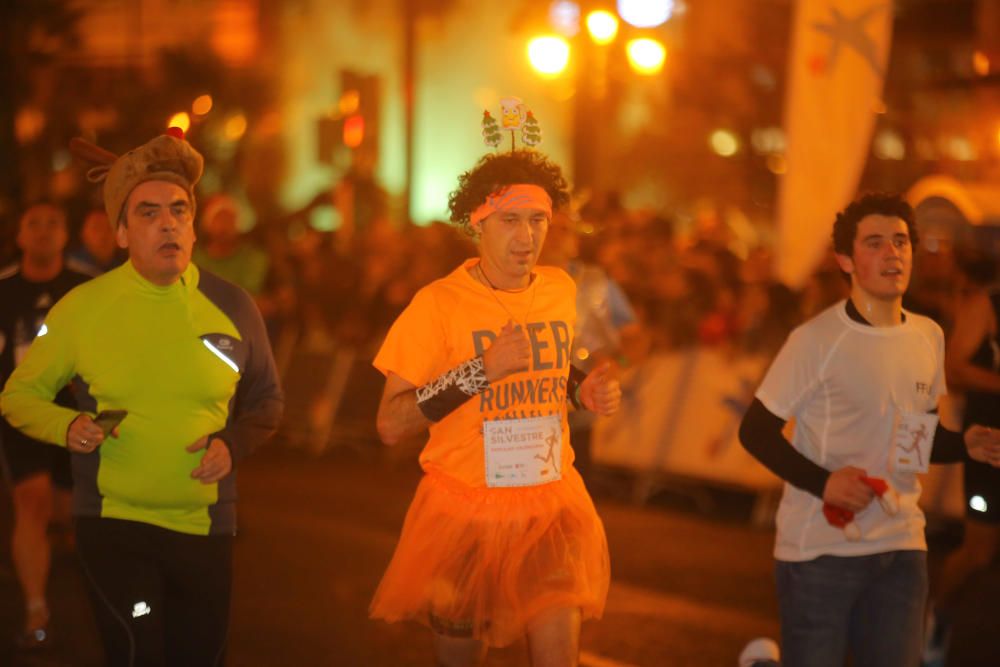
x,y
680,414
836,68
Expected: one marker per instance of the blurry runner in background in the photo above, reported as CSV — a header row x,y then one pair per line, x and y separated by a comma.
x,y
40,472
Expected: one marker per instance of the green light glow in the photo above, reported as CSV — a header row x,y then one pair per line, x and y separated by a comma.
x,y
451,94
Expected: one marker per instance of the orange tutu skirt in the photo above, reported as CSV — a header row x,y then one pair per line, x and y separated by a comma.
x,y
480,562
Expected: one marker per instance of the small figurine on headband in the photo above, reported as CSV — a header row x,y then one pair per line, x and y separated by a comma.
x,y
513,116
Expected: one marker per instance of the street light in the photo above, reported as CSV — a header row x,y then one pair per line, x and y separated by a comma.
x,y
202,105
888,145
602,26
565,17
724,142
592,101
645,55
549,55
235,126
980,63
645,13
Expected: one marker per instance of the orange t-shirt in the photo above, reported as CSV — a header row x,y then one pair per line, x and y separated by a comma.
x,y
454,319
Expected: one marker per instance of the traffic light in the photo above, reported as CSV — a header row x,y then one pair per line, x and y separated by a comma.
x,y
352,123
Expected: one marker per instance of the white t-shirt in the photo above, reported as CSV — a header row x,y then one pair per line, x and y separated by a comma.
x,y
843,382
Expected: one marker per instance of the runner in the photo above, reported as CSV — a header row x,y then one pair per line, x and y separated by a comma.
x,y
861,380
501,541
40,472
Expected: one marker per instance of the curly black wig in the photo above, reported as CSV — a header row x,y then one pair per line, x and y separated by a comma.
x,y
496,171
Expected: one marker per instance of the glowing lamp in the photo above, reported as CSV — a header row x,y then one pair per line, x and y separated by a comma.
x,y
724,143
646,56
235,127
549,55
602,26
201,105
645,13
354,130
564,15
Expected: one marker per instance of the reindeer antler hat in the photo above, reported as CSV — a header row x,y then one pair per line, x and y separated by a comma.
x,y
168,157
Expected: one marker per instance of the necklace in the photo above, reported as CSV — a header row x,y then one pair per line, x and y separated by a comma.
x,y
494,289
479,267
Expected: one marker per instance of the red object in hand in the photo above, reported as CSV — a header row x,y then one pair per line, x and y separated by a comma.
x,y
844,518
837,516
176,132
878,485
887,496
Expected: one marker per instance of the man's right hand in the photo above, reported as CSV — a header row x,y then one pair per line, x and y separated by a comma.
x,y
845,488
83,435
509,353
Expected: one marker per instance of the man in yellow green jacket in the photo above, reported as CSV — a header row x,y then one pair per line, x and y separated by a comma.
x,y
186,355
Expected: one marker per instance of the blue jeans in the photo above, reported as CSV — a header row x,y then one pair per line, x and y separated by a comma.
x,y
872,606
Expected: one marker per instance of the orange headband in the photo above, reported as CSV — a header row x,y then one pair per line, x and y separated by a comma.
x,y
518,195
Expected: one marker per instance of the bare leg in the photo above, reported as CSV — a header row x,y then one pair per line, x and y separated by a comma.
x,y
30,545
62,509
554,638
61,538
458,651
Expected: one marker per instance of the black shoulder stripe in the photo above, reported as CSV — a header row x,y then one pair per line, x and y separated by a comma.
x,y
231,300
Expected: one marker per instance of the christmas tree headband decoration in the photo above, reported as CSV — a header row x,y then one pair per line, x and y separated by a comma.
x,y
513,116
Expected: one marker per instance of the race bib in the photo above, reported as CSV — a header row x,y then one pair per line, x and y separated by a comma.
x,y
523,452
912,436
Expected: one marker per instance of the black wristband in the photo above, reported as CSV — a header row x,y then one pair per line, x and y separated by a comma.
x,y
442,396
576,378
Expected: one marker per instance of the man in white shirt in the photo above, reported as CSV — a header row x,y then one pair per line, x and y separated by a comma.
x,y
861,380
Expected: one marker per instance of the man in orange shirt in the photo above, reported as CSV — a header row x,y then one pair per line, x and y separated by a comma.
x,y
502,539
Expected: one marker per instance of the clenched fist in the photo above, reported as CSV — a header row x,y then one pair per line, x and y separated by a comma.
x,y
509,353
600,391
84,436
846,488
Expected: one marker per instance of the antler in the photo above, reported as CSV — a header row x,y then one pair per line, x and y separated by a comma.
x,y
85,150
89,152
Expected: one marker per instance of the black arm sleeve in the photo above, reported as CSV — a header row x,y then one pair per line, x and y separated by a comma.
x,y
760,434
948,447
